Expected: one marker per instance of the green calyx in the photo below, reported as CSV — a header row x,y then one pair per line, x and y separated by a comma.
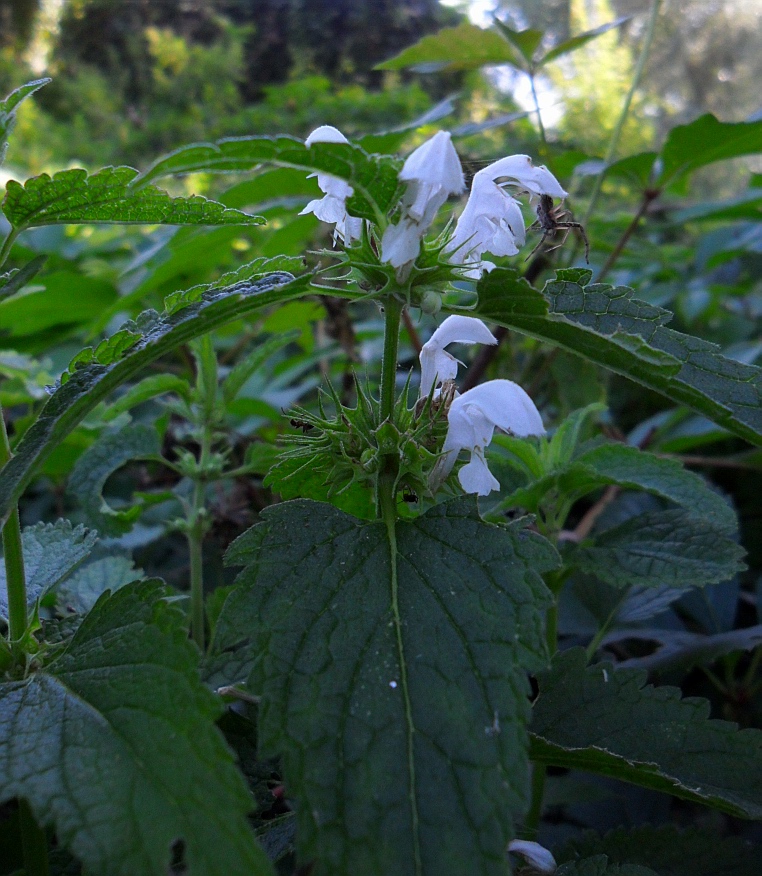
x,y
349,449
418,284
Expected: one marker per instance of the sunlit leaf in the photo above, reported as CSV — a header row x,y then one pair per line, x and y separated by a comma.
x,y
580,39
74,196
373,177
8,109
465,47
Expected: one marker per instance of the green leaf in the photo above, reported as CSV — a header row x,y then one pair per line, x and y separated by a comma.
x,y
145,390
669,851
73,196
599,865
525,41
61,298
632,468
92,383
17,278
392,680
51,552
610,722
704,141
373,177
579,40
8,109
619,465
465,47
114,745
109,453
608,326
660,548
681,650
81,590
246,366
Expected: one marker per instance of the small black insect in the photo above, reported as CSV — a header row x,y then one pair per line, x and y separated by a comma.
x,y
551,219
302,424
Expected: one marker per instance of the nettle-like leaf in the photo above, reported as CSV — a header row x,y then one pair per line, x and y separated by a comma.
x,y
81,589
687,148
599,865
608,326
15,279
464,47
156,335
669,851
114,745
392,679
622,465
608,721
373,177
110,452
662,547
8,109
74,196
51,552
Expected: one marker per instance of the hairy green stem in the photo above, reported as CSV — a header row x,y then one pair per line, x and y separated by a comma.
x,y
619,127
392,317
206,384
13,555
5,249
34,843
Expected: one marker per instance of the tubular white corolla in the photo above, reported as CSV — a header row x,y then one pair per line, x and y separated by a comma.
x,y
332,207
437,365
432,173
537,856
492,220
473,418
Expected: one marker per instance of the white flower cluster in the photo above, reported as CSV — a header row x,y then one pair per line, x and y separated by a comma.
x,y
473,416
491,221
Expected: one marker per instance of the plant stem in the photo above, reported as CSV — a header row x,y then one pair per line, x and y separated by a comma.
x,y
532,821
537,110
392,316
34,843
5,250
618,128
206,387
648,196
13,555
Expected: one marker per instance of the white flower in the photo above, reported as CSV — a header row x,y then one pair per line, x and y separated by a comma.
x,y
332,208
473,418
537,856
437,365
492,220
432,173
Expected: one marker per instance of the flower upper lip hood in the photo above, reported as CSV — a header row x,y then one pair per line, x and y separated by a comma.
x,y
473,417
332,207
432,173
437,365
492,219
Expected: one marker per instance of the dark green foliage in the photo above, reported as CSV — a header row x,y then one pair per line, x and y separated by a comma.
x,y
609,326
123,706
376,659
609,721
